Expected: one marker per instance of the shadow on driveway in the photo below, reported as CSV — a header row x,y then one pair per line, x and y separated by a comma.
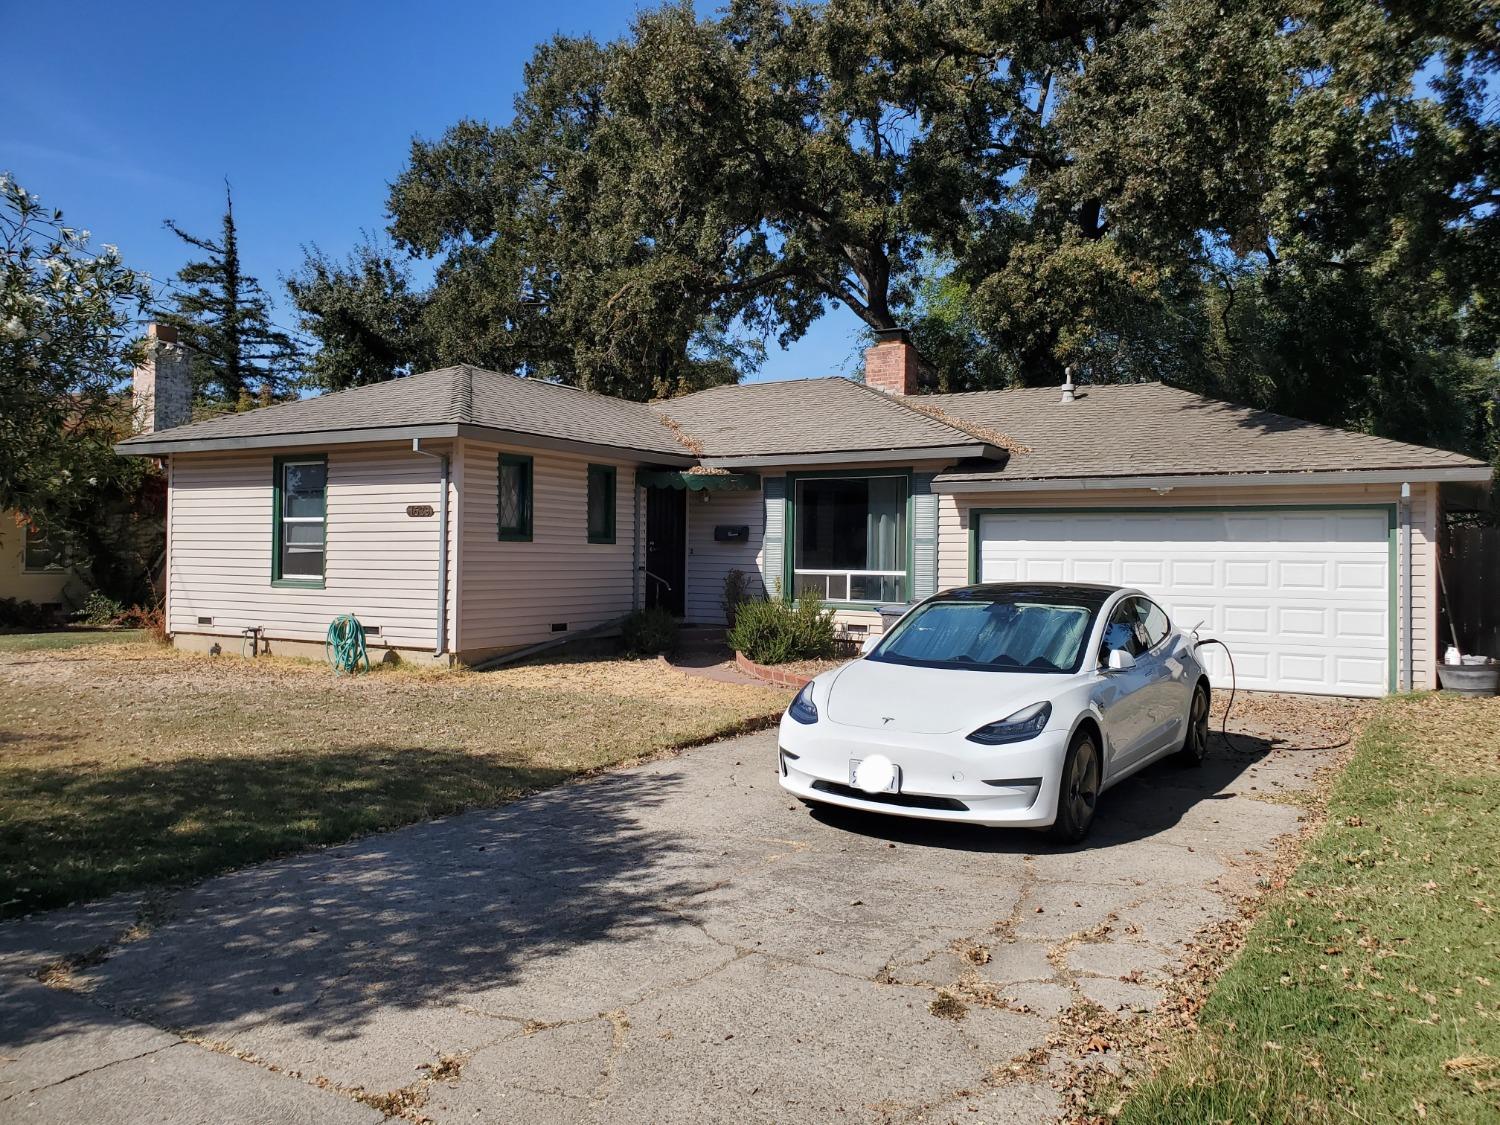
x,y
1143,805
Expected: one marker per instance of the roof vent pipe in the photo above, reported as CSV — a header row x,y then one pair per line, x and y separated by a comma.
x,y
1067,387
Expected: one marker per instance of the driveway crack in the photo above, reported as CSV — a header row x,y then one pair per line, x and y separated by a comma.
x,y
90,1070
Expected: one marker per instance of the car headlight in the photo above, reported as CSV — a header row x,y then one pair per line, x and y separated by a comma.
x,y
803,709
1025,723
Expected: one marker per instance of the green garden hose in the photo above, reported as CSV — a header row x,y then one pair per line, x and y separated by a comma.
x,y
345,646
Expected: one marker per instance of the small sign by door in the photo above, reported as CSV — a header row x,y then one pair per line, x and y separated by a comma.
x,y
419,511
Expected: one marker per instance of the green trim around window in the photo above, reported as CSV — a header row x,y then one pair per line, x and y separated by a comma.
x,y
605,474
1393,576
789,541
277,477
520,531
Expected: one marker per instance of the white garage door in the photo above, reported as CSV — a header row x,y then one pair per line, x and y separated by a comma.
x,y
1301,597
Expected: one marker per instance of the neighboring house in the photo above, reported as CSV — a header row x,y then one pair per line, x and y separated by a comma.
x,y
462,513
30,570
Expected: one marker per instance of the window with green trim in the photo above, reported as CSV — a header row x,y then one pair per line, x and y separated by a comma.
x,y
301,519
851,541
515,496
601,504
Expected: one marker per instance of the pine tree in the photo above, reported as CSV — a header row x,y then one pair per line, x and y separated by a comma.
x,y
225,316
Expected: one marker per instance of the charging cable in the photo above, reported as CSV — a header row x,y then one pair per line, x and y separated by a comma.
x,y
1223,726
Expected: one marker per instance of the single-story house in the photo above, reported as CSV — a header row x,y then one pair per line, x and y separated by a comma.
x,y
463,513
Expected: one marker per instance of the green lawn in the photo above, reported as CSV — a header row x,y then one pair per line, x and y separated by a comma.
x,y
1369,989
67,638
131,765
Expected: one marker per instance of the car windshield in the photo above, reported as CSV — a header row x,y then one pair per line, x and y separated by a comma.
x,y
1021,633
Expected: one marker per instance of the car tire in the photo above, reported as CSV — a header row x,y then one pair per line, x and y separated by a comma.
x,y
1195,740
1078,790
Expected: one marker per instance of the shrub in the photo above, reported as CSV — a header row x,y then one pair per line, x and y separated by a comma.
x,y
736,593
772,632
153,619
647,632
99,609
26,615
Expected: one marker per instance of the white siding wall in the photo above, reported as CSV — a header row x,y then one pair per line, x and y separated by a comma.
x,y
381,563
708,562
954,521
510,594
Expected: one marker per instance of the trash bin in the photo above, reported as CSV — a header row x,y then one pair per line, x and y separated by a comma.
x,y
890,614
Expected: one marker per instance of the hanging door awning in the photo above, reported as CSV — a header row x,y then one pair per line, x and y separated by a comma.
x,y
699,481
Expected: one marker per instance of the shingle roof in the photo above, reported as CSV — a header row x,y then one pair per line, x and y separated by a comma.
x,y
802,416
1151,429
1111,431
459,395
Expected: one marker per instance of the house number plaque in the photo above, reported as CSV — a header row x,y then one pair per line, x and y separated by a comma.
x,y
418,511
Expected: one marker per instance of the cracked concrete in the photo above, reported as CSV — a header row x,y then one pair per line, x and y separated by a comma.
x,y
676,942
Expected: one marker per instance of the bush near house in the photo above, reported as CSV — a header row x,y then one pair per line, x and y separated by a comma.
x,y
648,632
772,632
26,615
736,593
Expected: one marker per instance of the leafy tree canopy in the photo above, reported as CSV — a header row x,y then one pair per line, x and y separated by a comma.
x,y
1288,202
66,346
365,314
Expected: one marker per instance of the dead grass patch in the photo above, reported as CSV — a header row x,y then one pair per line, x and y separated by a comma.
x,y
131,765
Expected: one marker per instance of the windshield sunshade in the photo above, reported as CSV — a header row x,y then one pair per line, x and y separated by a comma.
x,y
1000,635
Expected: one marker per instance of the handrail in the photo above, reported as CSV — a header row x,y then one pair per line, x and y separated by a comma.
x,y
657,577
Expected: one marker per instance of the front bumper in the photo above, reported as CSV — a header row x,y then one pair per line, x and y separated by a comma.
x,y
943,777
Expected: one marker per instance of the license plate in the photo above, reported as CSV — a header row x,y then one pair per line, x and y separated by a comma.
x,y
893,787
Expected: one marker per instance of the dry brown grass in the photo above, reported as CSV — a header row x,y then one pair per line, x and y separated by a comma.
x,y
129,765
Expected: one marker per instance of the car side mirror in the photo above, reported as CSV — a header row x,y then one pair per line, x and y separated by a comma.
x,y
1120,660
867,645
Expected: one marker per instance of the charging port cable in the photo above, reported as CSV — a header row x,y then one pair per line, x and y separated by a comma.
x,y
1224,725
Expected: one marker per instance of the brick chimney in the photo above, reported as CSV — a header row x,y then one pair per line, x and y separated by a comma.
x,y
893,365
162,388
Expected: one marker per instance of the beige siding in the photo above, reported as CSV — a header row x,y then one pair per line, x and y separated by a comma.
x,y
954,521
381,563
709,562
42,587
511,594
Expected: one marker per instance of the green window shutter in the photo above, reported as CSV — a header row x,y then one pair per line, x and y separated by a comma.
x,y
773,543
924,518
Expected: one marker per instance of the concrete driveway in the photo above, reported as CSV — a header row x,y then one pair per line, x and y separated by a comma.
x,y
673,943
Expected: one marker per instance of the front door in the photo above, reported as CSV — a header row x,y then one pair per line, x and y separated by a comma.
x,y
666,548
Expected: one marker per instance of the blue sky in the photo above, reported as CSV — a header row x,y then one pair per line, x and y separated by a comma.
x,y
308,108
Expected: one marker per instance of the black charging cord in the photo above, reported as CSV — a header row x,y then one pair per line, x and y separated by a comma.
x,y
1223,726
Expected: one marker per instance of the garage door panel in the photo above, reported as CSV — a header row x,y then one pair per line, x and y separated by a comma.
x,y
1360,624
1244,576
1303,576
1093,570
1360,576
1301,597
1303,622
1142,572
1369,671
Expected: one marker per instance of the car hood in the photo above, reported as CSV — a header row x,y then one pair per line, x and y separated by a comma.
x,y
901,698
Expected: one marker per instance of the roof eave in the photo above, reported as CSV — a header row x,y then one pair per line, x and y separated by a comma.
x,y
1168,481
856,456
163,445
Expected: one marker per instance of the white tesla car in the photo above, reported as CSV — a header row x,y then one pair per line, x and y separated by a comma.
x,y
1008,704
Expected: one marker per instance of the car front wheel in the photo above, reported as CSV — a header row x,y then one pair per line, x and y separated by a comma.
x,y
1195,741
1078,793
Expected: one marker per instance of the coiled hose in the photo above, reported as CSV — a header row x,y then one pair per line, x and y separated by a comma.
x,y
345,645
